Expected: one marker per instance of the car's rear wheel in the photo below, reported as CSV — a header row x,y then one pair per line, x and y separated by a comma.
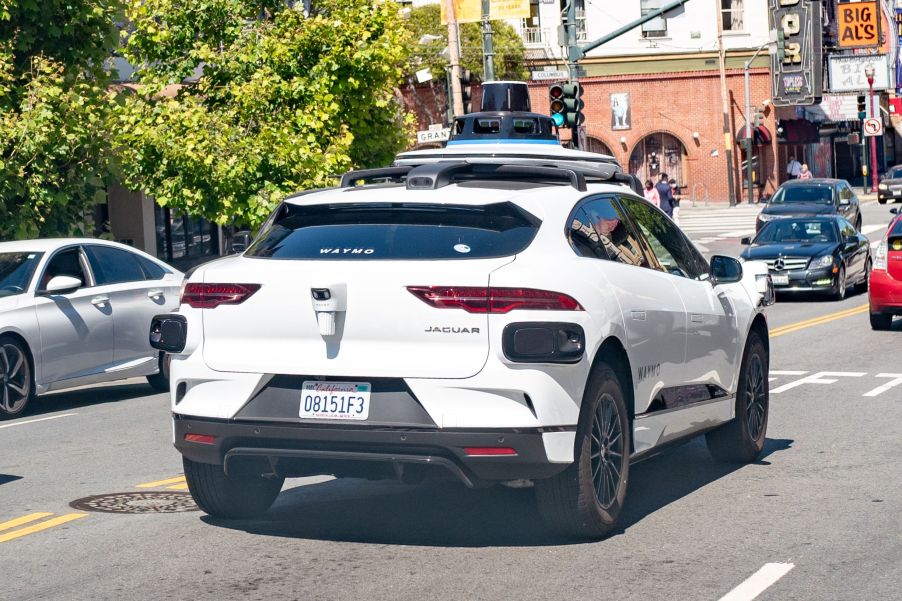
x,y
160,381
881,321
858,223
585,499
742,439
15,378
234,496
839,291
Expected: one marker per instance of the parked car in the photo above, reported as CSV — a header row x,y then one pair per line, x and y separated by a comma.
x,y
806,198
490,321
76,312
885,293
812,254
890,187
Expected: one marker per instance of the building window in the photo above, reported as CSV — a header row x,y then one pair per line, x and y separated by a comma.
x,y
532,26
732,13
657,27
182,240
581,35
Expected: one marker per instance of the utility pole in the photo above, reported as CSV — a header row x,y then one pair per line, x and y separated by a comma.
x,y
727,134
749,136
457,102
488,48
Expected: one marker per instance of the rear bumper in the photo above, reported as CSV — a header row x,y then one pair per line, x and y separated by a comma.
x,y
302,450
884,293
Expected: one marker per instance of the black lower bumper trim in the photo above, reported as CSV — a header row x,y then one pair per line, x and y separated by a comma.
x,y
302,450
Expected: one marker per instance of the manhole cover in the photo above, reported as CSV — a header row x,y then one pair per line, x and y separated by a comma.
x,y
137,502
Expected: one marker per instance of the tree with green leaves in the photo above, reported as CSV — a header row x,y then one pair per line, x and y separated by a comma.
x,y
425,25
53,112
241,101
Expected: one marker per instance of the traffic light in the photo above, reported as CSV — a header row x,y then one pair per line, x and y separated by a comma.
x,y
862,113
573,104
556,105
466,89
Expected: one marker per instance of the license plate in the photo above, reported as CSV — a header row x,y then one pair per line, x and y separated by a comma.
x,y
780,280
335,400
897,192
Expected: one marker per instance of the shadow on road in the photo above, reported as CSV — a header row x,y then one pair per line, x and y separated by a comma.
x,y
449,515
95,395
7,478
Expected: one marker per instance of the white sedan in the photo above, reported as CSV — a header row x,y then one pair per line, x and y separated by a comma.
x,y
76,312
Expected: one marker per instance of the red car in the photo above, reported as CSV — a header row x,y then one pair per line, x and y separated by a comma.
x,y
885,289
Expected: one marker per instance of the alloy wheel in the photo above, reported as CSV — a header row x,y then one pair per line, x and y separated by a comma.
x,y
15,379
755,398
607,450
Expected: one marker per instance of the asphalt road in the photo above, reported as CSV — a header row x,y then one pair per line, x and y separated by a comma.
x,y
825,498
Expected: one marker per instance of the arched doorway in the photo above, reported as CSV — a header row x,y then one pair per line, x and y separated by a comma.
x,y
596,145
659,153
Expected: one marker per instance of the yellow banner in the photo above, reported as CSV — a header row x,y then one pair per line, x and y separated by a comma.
x,y
470,11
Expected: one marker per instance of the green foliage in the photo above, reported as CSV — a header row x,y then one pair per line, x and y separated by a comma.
x,y
283,102
510,54
53,113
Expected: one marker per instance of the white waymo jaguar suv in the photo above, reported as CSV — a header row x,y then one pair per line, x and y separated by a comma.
x,y
484,320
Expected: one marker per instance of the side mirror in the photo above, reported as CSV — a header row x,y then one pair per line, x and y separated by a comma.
x,y
725,270
894,210
62,283
747,240
240,241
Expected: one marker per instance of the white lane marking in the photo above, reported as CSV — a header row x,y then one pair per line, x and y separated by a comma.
x,y
738,233
875,243
790,372
867,229
758,582
897,379
821,377
40,419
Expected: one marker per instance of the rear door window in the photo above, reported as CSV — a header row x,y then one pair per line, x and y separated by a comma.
x,y
113,265
610,232
396,231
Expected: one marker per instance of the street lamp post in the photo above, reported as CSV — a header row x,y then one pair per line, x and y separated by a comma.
x,y
869,73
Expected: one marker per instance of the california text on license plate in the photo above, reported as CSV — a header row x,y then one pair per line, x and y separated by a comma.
x,y
780,280
335,400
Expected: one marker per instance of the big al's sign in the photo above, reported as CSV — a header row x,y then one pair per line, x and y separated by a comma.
x,y
858,24
798,77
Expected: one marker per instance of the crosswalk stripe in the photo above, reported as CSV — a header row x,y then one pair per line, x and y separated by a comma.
x,y
41,526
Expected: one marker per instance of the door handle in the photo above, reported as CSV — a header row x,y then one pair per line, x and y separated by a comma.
x,y
696,318
100,300
638,315
155,293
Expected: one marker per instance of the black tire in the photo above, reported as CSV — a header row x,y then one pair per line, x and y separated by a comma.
x,y
16,379
858,223
160,381
881,200
881,321
864,283
231,497
839,292
742,439
585,500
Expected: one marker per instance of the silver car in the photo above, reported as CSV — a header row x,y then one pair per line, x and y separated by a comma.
x,y
76,312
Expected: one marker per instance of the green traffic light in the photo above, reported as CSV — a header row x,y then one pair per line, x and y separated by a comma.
x,y
558,119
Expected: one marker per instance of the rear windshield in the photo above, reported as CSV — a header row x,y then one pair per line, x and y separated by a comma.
x,y
16,269
821,194
797,230
396,231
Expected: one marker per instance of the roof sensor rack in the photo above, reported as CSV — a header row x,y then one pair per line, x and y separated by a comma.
x,y
438,175
352,179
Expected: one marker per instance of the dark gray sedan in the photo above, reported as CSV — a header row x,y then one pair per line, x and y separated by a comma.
x,y
812,197
890,187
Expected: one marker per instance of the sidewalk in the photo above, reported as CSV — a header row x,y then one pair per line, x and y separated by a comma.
x,y
687,206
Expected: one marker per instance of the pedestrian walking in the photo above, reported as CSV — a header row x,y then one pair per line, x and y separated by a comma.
x,y
804,173
793,168
675,194
666,196
651,194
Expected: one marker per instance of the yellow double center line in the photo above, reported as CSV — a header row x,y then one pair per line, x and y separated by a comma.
x,y
801,325
33,517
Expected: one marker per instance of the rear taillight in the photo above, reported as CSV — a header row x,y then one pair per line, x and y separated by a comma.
x,y
880,256
494,300
210,296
